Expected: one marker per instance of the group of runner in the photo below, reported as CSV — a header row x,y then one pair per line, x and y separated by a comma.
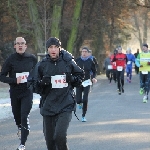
x,y
55,84
54,78
118,63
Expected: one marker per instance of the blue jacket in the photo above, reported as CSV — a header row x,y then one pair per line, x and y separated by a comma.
x,y
130,58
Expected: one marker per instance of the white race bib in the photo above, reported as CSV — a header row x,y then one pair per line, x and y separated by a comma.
x,y
86,83
129,62
119,68
144,72
109,66
23,75
59,81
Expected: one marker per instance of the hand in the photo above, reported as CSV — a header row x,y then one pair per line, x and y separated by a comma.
x,y
141,65
94,80
18,79
46,80
69,77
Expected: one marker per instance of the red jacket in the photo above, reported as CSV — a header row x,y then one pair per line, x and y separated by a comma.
x,y
121,59
113,63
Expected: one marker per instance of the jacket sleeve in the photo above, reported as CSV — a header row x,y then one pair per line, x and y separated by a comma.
x,y
137,61
93,70
104,64
95,61
6,68
77,73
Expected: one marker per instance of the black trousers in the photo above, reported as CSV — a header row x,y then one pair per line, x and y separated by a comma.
x,y
84,100
55,130
120,79
145,82
114,74
21,102
136,69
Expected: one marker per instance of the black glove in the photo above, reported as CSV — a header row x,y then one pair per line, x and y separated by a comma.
x,y
69,77
46,81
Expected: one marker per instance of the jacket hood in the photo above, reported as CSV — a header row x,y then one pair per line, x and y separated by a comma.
x,y
66,55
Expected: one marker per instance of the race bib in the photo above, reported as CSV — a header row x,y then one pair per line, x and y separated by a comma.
x,y
119,68
23,75
59,81
129,62
86,83
144,72
109,66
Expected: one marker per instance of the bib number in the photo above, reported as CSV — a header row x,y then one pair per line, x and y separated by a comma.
x,y
86,83
119,68
144,72
129,62
109,66
59,81
23,75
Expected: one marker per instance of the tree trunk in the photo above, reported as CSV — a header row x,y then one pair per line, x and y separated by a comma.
x,y
138,29
37,29
56,19
75,25
145,27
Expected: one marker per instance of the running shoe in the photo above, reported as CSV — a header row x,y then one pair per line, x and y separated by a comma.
x,y
80,106
83,119
21,147
141,91
19,133
119,92
145,98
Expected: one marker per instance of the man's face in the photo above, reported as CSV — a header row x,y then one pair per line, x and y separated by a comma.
x,y
20,45
119,50
53,51
84,53
145,49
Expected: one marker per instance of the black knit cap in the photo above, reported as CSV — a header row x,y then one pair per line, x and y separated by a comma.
x,y
53,41
115,51
145,45
86,48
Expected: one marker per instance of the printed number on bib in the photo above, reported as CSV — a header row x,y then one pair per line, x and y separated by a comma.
x,y
109,66
144,72
86,83
119,68
23,75
129,62
59,81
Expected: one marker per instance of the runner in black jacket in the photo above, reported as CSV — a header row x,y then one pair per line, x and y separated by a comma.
x,y
57,96
87,65
14,72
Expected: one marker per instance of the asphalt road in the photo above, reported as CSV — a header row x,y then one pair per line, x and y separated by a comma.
x,y
114,122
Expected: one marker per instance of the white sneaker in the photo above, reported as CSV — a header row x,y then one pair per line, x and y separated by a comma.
x,y
145,98
21,147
